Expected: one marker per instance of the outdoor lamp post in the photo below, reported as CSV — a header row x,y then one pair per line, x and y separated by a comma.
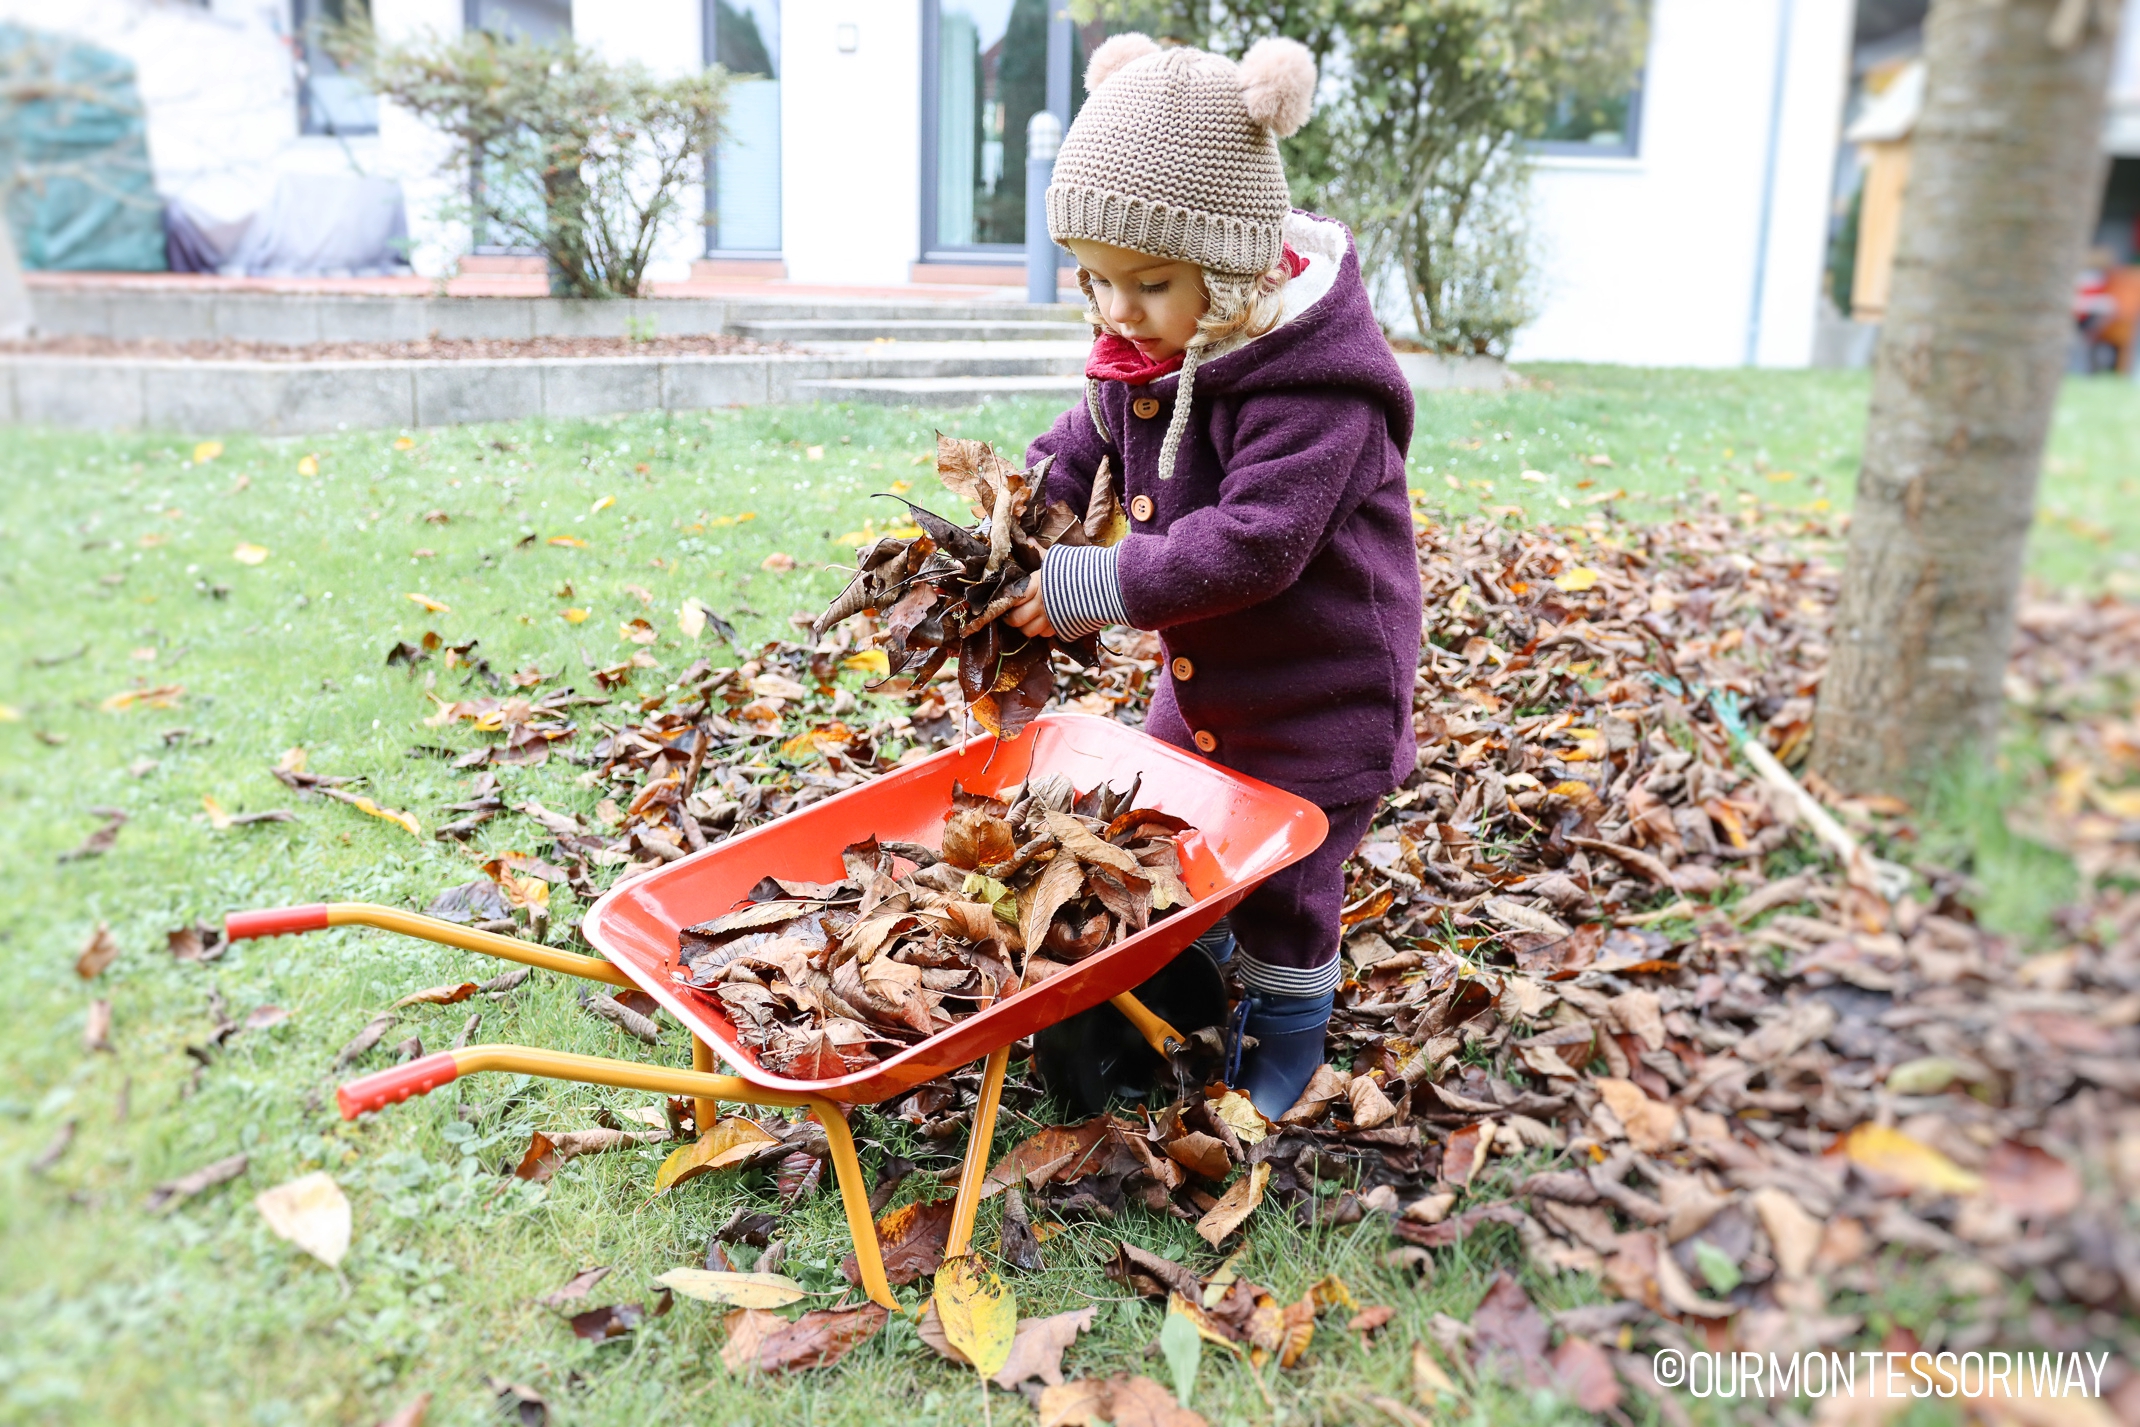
x,y
1043,137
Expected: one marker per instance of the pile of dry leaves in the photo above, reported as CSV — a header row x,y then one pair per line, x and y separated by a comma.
x,y
1603,999
818,978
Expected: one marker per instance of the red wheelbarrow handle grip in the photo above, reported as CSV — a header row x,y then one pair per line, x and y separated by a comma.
x,y
276,921
390,1087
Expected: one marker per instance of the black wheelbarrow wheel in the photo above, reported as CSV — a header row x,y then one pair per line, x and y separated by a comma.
x,y
1097,1057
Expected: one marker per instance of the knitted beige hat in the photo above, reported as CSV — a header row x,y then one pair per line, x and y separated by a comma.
x,y
1176,152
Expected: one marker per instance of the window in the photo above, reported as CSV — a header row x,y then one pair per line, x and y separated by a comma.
x,y
987,69
536,21
328,101
743,175
1601,115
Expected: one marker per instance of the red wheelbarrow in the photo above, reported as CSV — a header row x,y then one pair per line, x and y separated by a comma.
x,y
1244,832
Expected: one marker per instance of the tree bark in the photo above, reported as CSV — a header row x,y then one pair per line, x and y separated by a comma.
x,y
2006,175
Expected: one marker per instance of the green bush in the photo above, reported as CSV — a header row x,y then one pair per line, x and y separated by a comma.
x,y
554,147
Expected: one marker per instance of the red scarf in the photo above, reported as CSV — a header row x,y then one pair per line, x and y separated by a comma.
x,y
1116,359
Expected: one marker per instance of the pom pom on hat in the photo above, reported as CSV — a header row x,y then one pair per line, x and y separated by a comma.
x,y
1277,82
1121,50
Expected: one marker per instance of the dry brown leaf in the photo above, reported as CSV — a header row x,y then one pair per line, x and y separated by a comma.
x,y
1235,1205
1652,1125
97,954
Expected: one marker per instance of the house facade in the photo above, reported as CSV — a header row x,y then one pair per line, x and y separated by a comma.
x,y
879,143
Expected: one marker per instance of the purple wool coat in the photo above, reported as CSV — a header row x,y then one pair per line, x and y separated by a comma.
x,y
1277,563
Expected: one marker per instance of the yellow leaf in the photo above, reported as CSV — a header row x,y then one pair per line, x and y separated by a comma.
x,y
873,662
250,554
402,443
1884,1150
431,606
1582,577
603,504
573,616
10,714
730,1142
901,487
162,697
691,619
1331,1292
292,760
311,1212
902,532
393,815
1781,476
1249,1126
979,1315
308,465
218,815
207,451
737,1290
1235,1205
572,542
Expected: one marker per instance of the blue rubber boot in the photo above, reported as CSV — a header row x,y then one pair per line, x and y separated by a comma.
x,y
1288,1032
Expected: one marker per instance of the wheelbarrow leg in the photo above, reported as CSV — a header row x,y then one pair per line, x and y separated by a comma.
x,y
419,1077
703,1111
968,1203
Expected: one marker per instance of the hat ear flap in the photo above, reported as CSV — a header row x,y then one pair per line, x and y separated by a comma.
x,y
1277,84
1117,51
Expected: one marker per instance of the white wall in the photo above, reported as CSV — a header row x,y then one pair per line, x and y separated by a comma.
x,y
850,127
1650,260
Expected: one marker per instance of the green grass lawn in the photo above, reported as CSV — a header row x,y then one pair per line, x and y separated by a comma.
x,y
119,555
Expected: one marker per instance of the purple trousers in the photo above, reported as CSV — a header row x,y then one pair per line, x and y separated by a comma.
x,y
1287,930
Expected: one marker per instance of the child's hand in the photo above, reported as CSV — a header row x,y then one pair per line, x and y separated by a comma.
x,y
1030,615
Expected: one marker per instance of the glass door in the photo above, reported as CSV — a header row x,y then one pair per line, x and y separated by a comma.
x,y
989,74
743,179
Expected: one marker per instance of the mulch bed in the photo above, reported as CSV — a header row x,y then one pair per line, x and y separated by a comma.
x,y
435,349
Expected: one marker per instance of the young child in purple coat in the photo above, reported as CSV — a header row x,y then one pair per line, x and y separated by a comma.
x,y
1242,395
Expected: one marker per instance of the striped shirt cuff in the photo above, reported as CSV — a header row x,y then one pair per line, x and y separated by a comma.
x,y
1081,589
1266,979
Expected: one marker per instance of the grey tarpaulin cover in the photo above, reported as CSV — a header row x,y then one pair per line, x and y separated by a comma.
x,y
74,156
326,225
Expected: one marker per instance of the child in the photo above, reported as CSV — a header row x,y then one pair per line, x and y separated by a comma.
x,y
1244,398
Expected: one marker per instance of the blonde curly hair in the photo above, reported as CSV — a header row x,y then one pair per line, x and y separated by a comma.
x,y
1237,308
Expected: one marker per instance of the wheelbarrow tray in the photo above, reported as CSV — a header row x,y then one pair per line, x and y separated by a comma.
x,y
1243,831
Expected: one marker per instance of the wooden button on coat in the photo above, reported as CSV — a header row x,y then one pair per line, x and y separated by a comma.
x,y
1140,507
1183,669
1206,741
1146,407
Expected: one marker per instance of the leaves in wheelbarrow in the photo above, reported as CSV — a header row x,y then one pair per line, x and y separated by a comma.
x,y
731,1141
912,1238
821,980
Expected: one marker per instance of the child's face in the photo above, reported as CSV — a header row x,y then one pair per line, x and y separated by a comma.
x,y
1154,302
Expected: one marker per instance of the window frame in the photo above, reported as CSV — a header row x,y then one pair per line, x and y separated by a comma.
x,y
303,13
1629,145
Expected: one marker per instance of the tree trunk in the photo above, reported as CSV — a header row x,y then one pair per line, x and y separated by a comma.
x,y
2006,175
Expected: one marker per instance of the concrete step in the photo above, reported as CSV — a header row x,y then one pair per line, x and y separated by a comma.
x,y
946,359
875,310
858,328
939,391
